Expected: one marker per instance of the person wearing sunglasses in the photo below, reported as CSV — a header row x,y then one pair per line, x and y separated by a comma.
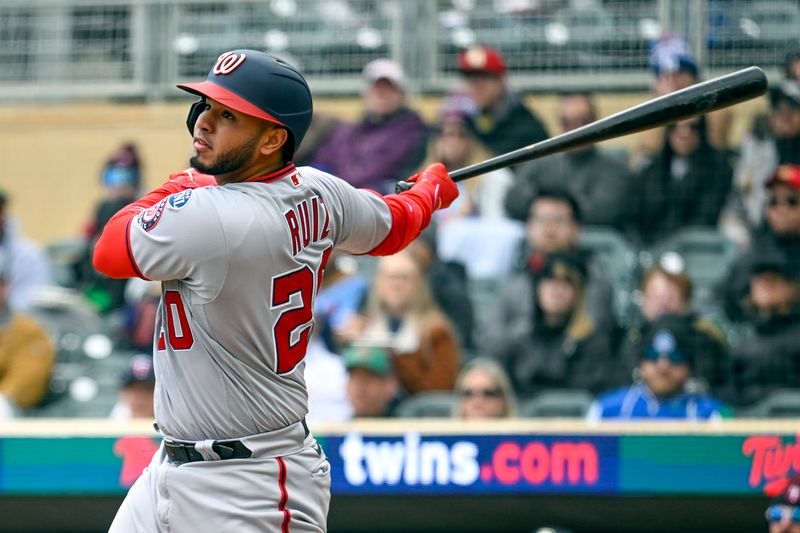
x,y
664,388
779,233
783,513
483,391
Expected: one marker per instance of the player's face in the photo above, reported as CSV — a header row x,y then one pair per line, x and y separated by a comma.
x,y
551,226
481,397
233,146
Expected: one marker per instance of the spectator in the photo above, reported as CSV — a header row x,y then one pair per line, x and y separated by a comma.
x,y
137,390
340,296
599,183
389,141
552,341
142,298
783,513
667,289
792,61
455,145
674,67
401,314
326,380
120,178
27,356
26,265
768,356
554,225
449,285
686,185
500,120
665,389
780,233
372,386
772,140
484,391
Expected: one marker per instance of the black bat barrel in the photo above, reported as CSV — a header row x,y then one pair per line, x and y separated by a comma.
x,y
689,102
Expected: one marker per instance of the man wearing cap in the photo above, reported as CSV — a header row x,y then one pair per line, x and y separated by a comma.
x,y
501,121
371,383
664,389
779,233
674,67
783,513
387,142
600,183
239,242
768,355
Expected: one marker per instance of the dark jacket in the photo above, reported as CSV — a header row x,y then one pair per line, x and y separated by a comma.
x,y
767,358
374,153
448,282
508,126
574,355
664,204
599,183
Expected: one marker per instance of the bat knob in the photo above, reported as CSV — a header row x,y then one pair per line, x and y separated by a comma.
x,y
402,186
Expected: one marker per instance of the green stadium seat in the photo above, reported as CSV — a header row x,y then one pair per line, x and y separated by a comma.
x,y
433,404
557,403
780,403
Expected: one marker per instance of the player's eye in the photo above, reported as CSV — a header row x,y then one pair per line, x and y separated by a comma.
x,y
228,115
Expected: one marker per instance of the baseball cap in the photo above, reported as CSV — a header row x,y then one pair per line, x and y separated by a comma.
x,y
140,370
672,336
788,174
262,86
374,358
481,60
385,69
768,259
672,53
785,91
786,500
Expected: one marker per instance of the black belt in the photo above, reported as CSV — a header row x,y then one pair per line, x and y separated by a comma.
x,y
180,452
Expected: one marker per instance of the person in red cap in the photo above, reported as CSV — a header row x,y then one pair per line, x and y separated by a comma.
x,y
239,242
779,232
500,119
783,513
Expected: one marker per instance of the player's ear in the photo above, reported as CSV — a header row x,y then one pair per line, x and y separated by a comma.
x,y
273,139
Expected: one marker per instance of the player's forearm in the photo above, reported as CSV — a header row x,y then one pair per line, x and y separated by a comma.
x,y
411,213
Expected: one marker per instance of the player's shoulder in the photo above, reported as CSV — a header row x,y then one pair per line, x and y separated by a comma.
x,y
187,207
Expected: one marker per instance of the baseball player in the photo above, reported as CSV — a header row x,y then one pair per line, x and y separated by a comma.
x,y
240,241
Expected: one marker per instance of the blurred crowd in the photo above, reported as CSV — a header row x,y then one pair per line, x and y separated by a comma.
x,y
660,281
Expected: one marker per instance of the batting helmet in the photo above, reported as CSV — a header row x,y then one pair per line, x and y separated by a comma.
x,y
259,85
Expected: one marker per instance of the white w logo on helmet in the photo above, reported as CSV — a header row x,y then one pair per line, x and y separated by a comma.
x,y
228,62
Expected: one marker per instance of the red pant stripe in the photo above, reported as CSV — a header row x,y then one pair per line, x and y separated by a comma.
x,y
287,515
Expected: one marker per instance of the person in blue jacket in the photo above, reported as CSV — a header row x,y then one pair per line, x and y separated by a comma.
x,y
664,388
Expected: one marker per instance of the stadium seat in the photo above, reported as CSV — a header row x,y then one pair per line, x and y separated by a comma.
x,y
780,403
619,258
557,403
433,404
63,255
707,255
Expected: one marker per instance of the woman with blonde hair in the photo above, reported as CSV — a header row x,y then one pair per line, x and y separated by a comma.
x,y
401,315
483,390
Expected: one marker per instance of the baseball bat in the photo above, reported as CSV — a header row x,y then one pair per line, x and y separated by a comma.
x,y
694,100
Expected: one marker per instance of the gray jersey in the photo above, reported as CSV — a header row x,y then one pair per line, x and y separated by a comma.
x,y
240,265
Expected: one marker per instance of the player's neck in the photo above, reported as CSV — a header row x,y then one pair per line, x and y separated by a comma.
x,y
252,173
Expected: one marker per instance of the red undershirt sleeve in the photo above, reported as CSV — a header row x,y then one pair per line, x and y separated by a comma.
x,y
411,213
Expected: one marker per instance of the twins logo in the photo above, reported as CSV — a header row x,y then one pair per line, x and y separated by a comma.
x,y
180,199
149,218
228,62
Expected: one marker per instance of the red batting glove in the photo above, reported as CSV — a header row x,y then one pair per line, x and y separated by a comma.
x,y
437,181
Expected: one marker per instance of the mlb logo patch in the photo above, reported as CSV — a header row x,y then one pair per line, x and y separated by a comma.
x,y
150,217
180,199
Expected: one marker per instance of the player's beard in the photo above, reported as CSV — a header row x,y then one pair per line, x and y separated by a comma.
x,y
228,163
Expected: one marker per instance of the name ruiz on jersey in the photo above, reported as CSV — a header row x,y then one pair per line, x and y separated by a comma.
x,y
308,222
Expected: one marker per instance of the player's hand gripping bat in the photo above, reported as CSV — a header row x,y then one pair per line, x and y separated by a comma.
x,y
689,102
